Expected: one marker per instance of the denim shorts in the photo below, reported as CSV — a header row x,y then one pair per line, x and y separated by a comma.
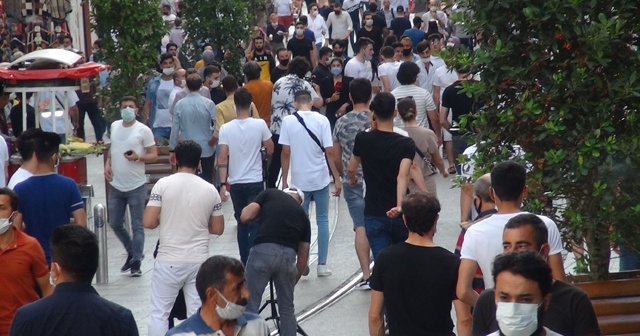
x,y
355,201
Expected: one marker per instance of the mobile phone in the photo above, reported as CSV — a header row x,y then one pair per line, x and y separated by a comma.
x,y
129,152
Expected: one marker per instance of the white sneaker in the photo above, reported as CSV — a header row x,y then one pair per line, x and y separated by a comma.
x,y
323,271
363,285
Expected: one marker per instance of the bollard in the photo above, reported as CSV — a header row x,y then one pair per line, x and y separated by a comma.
x,y
100,227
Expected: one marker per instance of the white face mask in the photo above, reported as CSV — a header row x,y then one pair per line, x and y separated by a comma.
x,y
517,318
183,83
450,45
433,8
168,71
369,22
426,59
299,32
215,83
5,224
231,311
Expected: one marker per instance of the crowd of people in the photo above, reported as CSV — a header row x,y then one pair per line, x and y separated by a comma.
x,y
308,120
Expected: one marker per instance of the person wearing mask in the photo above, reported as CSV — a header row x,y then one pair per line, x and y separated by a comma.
x,y
23,263
276,33
180,82
371,32
400,23
355,10
132,146
301,46
378,20
283,62
318,26
427,74
212,77
341,23
522,294
387,12
220,283
340,50
156,107
322,70
335,92
569,311
427,154
434,13
260,89
407,50
360,65
262,56
74,307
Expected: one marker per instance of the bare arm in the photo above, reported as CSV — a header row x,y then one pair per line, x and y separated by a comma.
x,y
334,171
250,212
150,154
444,115
216,225
268,145
463,318
145,111
436,95
354,162
439,163
151,218
416,175
337,157
464,290
386,85
303,259
80,217
557,267
223,170
434,119
285,157
376,321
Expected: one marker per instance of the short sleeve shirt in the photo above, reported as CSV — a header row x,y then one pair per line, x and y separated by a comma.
x,y
282,99
344,133
282,220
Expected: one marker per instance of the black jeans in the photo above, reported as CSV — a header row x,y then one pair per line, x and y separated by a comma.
x,y
95,115
206,164
274,167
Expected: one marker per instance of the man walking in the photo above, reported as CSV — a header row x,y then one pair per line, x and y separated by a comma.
x,y
341,23
193,120
187,209
156,107
132,146
241,160
280,252
344,135
305,138
260,90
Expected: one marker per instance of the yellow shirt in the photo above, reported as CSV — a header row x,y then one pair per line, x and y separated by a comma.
x,y
199,64
226,111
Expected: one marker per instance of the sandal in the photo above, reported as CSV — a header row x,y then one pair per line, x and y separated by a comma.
x,y
452,170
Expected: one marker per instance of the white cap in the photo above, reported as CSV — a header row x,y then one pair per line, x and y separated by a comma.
x,y
294,190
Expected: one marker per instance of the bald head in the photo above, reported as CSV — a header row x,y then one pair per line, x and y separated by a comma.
x,y
179,75
482,188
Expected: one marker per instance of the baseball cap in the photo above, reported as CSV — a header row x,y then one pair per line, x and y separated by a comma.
x,y
294,190
400,9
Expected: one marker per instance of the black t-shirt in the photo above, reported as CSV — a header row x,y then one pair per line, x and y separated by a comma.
x,y
399,25
282,220
380,154
15,115
217,95
569,312
277,73
375,35
458,103
273,32
379,22
320,73
300,47
419,285
266,61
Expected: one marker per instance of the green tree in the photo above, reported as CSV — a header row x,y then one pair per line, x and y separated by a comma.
x,y
225,23
560,79
132,31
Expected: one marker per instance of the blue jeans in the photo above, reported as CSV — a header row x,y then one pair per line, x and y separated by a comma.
x,y
161,133
118,201
629,259
241,195
383,232
278,263
321,197
355,201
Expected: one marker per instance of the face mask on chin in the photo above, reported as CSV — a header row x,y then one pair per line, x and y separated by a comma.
x,y
231,311
168,71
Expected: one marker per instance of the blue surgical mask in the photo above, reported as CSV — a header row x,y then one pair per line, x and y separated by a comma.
x,y
128,114
336,71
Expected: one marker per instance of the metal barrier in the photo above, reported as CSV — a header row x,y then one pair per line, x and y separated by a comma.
x,y
100,228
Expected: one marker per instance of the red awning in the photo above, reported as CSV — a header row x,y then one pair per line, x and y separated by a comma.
x,y
84,70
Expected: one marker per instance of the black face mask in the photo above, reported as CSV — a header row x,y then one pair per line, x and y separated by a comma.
x,y
284,62
406,52
337,54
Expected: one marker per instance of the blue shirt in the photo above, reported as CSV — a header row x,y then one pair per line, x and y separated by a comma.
x,y
46,202
194,119
151,95
248,324
416,36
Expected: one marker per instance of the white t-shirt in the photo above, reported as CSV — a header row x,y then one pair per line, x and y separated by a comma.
x,y
128,175
47,118
393,4
444,78
483,242
283,8
187,203
309,171
4,157
547,330
357,69
162,116
468,167
426,77
437,62
244,138
20,175
169,18
423,99
441,16
391,71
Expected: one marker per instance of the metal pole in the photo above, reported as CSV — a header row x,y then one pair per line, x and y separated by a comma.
x,y
100,227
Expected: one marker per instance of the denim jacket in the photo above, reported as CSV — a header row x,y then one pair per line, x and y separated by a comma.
x,y
152,90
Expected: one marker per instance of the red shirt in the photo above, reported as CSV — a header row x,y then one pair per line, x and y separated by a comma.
x,y
21,263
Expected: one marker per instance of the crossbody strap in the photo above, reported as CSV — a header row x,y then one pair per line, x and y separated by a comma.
x,y
313,136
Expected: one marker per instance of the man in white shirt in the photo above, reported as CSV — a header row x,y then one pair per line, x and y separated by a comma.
x,y
388,70
186,209
341,23
179,82
132,145
156,107
435,14
427,70
318,26
483,240
360,65
26,147
284,10
426,109
241,140
305,138
46,102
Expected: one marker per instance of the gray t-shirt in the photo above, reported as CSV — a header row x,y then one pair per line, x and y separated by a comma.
x,y
344,133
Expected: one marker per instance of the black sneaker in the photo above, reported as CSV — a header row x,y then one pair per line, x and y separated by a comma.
x,y
135,269
127,264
